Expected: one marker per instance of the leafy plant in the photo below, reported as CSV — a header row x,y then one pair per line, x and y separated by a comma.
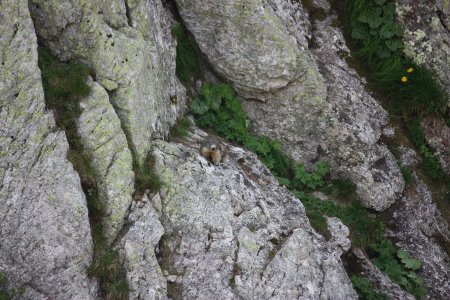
x,y
187,60
309,181
400,267
365,289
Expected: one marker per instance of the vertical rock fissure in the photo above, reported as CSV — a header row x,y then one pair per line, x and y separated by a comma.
x,y
64,87
128,14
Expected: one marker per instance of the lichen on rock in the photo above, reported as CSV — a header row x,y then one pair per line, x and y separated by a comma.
x,y
46,240
101,134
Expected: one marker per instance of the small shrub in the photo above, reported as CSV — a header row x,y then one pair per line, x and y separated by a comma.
x,y
187,60
400,267
343,189
107,267
310,181
180,129
365,289
145,176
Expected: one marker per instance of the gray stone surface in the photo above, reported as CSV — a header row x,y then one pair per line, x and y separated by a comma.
x,y
130,47
427,35
416,225
103,138
437,134
307,96
339,234
231,231
144,275
44,229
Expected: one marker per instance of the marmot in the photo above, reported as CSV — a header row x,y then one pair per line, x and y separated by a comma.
x,y
213,149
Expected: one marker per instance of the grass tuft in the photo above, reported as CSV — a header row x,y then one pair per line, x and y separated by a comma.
x,y
181,129
145,177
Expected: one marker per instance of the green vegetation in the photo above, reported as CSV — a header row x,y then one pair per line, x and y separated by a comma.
x,y
430,163
410,89
364,228
188,64
365,290
145,177
407,174
343,189
400,267
64,86
7,294
181,129
219,108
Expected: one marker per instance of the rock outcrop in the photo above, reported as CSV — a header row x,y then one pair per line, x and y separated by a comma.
x,y
427,35
230,231
302,93
416,224
103,138
44,229
132,52
144,275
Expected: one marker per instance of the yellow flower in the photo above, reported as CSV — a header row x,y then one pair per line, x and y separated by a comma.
x,y
404,79
410,70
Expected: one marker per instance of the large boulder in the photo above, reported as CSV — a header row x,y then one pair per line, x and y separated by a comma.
x,y
45,237
301,93
103,138
230,232
132,52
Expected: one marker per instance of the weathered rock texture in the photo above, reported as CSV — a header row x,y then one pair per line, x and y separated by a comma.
x,y
130,47
229,232
103,138
437,134
307,98
417,226
427,35
144,275
44,229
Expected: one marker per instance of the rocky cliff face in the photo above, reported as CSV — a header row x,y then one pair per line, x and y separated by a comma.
x,y
223,232
130,48
301,93
46,243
